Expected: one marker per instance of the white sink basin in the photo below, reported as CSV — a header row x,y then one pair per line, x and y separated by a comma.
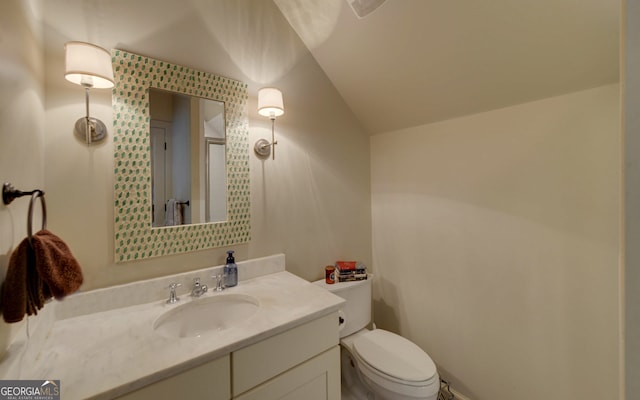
x,y
207,314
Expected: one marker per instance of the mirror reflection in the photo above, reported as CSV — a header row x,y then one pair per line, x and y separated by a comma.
x,y
188,162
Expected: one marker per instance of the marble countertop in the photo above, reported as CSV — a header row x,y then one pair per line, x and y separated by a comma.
x,y
106,354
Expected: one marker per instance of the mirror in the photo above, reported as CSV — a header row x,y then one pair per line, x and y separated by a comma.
x,y
136,77
188,169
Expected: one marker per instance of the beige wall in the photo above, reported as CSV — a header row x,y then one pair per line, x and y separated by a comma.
x,y
21,123
304,204
631,120
312,203
496,241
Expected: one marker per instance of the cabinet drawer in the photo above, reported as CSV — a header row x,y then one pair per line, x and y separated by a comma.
x,y
259,362
210,381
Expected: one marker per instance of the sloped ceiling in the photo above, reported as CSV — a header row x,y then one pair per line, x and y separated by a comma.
x,y
413,62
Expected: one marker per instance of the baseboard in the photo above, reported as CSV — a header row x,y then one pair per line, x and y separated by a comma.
x,y
458,396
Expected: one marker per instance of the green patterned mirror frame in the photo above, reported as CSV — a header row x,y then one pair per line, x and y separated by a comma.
x,y
134,237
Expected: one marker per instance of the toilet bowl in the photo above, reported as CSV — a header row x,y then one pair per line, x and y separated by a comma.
x,y
378,364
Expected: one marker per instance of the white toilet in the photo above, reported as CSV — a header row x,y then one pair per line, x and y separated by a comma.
x,y
377,364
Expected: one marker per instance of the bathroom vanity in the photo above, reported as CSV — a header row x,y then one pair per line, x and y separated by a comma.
x,y
298,364
107,343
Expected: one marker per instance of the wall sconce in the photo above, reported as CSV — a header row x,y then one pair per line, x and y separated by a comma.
x,y
89,66
269,105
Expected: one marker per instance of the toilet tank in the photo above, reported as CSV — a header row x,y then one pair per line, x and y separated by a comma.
x,y
356,312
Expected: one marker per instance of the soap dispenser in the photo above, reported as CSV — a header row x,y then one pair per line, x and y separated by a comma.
x,y
230,270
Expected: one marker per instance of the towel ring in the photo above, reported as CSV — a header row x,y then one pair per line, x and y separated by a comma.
x,y
36,194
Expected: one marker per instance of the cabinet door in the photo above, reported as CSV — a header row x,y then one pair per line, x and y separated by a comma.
x,y
315,379
211,381
282,352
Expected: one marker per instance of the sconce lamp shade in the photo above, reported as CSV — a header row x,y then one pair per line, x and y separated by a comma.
x,y
88,65
270,102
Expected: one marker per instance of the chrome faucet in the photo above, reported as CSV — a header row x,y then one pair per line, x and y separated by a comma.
x,y
172,294
198,289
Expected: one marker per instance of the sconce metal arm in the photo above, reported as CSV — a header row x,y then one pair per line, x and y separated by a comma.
x,y
87,128
263,147
87,119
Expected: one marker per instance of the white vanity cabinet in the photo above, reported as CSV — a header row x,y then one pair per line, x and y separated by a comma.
x,y
105,343
301,363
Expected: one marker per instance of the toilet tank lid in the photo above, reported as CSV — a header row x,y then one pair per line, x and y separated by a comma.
x,y
340,286
395,356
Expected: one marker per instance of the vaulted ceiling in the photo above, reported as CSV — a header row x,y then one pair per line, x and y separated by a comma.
x,y
412,62
408,63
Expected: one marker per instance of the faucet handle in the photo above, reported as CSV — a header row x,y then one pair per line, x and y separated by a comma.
x,y
172,294
219,282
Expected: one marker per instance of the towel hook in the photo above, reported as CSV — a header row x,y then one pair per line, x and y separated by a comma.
x,y
9,193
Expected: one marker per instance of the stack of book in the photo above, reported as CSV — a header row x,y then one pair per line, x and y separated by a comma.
x,y
350,271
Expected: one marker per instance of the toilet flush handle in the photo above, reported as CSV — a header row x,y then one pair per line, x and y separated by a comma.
x,y
342,319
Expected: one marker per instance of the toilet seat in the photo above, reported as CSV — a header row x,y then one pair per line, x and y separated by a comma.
x,y
394,356
395,364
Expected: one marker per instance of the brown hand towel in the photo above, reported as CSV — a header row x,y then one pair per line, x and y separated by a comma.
x,y
58,268
36,272
23,292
